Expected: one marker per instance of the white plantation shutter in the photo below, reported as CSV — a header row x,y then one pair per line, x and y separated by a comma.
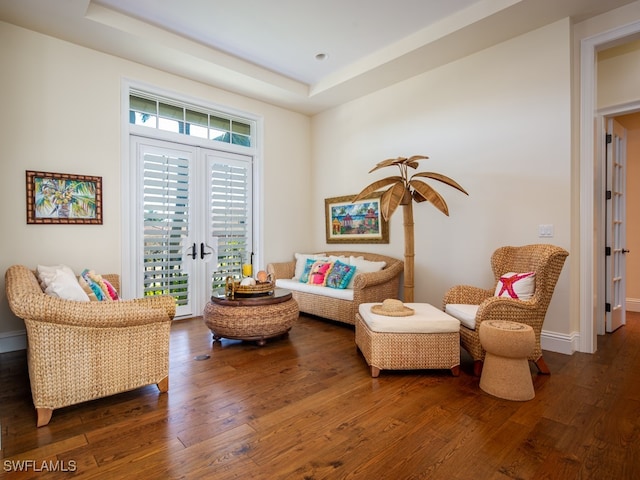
x,y
166,225
231,214
193,223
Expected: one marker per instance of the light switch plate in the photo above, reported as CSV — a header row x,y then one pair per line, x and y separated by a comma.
x,y
545,230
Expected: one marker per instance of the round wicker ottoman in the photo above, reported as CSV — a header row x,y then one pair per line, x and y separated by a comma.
x,y
253,319
506,373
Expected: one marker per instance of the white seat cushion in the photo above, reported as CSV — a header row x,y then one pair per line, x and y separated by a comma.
x,y
291,284
426,319
463,312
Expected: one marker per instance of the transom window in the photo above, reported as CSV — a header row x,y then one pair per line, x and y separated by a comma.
x,y
162,114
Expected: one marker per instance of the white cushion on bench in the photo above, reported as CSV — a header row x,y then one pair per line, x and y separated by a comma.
x,y
291,284
426,319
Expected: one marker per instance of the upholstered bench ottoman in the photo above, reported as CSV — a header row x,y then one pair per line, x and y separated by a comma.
x,y
426,339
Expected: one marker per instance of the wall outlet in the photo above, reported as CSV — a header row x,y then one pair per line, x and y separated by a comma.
x,y
545,230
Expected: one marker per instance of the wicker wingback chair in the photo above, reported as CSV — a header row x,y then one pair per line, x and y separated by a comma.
x,y
79,351
543,259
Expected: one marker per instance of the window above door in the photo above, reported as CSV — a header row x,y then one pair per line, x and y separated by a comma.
x,y
153,111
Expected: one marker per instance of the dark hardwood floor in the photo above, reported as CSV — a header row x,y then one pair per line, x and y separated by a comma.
x,y
305,407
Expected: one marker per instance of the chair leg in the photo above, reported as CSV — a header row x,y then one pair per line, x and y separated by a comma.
x,y
477,367
542,366
163,385
44,416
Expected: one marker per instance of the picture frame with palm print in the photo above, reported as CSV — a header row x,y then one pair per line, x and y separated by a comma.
x,y
63,198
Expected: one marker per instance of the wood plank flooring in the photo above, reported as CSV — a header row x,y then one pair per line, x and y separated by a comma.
x,y
305,407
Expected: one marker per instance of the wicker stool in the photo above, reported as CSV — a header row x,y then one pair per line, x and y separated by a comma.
x,y
429,339
506,373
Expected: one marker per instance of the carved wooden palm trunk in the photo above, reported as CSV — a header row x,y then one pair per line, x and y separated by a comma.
x,y
409,247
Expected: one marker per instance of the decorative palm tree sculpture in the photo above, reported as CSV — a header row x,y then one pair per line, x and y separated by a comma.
x,y
403,190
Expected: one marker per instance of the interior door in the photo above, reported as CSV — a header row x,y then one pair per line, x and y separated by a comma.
x,y
615,264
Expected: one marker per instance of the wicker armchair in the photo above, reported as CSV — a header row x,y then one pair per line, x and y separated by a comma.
x,y
79,351
547,261
367,287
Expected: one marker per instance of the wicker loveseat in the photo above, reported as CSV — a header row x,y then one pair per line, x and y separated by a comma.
x,y
79,351
367,287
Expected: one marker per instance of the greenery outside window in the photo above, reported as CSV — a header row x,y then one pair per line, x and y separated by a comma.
x,y
154,112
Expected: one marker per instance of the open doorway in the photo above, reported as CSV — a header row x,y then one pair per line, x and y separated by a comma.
x,y
592,178
618,99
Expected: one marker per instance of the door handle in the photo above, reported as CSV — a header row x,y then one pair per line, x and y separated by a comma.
x,y
193,253
202,252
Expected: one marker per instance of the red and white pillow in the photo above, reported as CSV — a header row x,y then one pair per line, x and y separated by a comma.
x,y
516,285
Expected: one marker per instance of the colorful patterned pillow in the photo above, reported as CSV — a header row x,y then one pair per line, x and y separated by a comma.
x,y
340,275
89,277
516,285
110,289
102,289
319,271
87,288
301,263
304,276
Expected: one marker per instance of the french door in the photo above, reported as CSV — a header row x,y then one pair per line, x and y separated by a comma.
x,y
615,262
194,220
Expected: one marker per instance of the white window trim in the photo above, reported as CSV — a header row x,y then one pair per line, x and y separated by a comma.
x,y
128,218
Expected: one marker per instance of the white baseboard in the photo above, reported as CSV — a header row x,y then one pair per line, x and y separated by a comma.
x,y
633,304
551,341
13,341
560,342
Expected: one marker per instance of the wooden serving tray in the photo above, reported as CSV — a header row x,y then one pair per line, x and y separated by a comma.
x,y
233,288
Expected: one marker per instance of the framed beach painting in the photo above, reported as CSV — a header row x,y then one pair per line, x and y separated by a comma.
x,y
359,222
63,198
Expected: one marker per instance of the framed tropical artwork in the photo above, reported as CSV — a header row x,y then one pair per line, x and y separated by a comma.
x,y
63,198
359,222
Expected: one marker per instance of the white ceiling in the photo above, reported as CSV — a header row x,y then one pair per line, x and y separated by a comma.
x,y
266,49
285,36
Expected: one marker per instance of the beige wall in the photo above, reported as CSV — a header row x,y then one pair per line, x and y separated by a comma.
x,y
498,122
61,113
619,75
